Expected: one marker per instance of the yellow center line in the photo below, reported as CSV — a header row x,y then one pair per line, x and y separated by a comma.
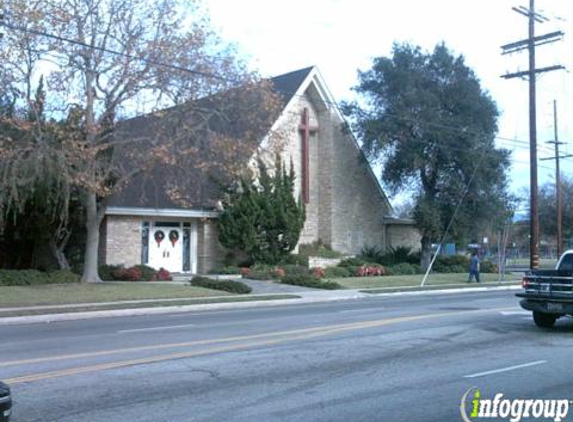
x,y
284,336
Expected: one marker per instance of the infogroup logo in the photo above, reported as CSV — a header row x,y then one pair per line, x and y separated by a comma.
x,y
474,407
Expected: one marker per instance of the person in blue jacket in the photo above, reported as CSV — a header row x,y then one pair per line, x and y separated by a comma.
x,y
474,268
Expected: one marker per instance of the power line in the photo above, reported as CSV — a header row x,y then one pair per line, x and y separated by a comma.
x,y
210,75
515,141
530,44
109,51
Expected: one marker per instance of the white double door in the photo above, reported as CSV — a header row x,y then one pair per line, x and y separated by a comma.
x,y
166,248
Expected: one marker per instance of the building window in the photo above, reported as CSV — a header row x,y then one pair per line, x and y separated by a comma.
x,y
167,224
145,242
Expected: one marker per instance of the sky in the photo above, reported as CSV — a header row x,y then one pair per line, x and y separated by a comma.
x,y
343,36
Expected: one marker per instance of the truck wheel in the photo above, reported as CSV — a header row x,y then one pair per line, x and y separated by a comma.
x,y
544,320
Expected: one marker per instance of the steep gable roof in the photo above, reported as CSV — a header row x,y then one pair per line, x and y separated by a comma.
x,y
150,191
288,84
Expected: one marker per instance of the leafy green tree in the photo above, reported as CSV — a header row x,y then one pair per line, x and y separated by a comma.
x,y
261,216
548,210
36,197
425,117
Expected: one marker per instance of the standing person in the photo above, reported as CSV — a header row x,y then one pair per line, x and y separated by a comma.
x,y
474,268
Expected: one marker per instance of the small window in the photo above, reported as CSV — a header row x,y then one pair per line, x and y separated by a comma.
x,y
167,224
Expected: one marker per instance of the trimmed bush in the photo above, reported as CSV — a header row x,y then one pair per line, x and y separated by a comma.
x,y
451,264
226,270
162,275
371,270
317,272
63,277
297,259
352,262
487,266
135,273
127,274
404,269
224,285
393,256
264,272
22,277
310,281
295,270
147,273
35,277
106,271
261,275
338,272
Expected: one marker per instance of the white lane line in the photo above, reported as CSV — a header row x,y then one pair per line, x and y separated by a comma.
x,y
170,327
506,313
509,368
360,310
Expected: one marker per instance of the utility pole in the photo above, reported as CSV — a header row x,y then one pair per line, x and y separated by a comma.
x,y
530,44
558,190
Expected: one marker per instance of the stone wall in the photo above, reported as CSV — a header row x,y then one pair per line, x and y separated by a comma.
x,y
358,208
403,235
316,261
123,240
210,252
346,209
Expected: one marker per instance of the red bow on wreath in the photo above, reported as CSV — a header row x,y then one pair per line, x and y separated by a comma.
x,y
173,237
159,236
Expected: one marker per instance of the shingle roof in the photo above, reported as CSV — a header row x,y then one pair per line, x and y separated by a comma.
x,y
149,190
287,85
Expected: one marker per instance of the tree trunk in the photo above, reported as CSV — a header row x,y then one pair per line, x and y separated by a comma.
x,y
60,256
426,255
93,221
57,249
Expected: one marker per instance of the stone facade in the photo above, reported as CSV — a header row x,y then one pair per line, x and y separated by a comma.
x,y
402,234
346,208
122,240
210,252
317,261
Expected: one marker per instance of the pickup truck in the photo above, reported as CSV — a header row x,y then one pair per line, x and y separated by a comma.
x,y
549,293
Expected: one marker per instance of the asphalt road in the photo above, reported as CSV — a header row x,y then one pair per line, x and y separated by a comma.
x,y
402,358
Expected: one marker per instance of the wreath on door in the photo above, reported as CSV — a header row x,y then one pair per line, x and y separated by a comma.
x,y
159,236
173,237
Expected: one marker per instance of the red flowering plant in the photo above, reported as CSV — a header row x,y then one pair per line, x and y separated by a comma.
x,y
279,272
318,272
162,275
245,271
127,274
365,271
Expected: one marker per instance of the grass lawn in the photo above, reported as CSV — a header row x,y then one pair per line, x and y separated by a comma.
x,y
12,296
413,280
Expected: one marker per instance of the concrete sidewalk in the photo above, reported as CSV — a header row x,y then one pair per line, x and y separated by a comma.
x,y
305,296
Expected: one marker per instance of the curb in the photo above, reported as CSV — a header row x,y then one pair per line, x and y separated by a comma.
x,y
308,298
72,316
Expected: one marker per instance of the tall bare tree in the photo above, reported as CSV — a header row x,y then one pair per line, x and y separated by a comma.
x,y
108,61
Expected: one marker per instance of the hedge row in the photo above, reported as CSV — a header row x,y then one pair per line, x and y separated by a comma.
x,y
310,281
225,285
35,277
135,273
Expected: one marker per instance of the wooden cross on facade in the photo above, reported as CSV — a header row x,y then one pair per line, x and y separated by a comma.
x,y
306,129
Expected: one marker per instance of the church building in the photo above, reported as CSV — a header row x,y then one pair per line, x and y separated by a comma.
x,y
346,207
